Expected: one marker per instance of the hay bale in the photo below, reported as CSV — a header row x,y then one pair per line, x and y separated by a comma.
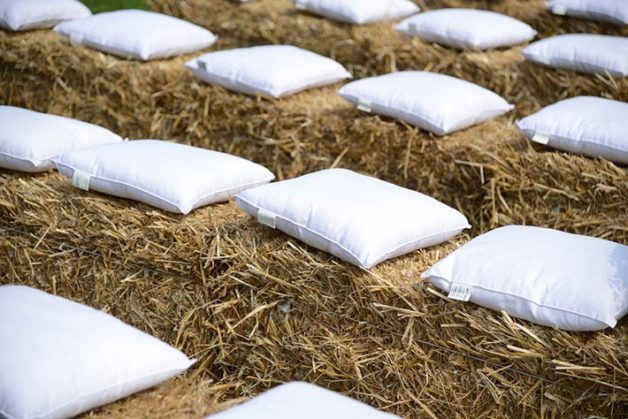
x,y
258,308
378,48
479,170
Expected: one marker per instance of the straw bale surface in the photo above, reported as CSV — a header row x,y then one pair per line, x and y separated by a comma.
x,y
257,308
490,171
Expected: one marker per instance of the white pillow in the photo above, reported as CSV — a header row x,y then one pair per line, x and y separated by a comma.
x,y
271,70
29,140
359,11
137,34
467,28
360,219
174,177
582,52
587,125
303,401
22,15
614,11
59,358
435,102
545,276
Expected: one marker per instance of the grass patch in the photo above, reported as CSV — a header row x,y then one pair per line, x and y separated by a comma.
x,y
98,6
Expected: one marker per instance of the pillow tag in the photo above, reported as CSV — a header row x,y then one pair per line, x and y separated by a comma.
x,y
299,5
81,180
76,39
559,10
541,139
459,292
412,26
267,218
202,64
364,105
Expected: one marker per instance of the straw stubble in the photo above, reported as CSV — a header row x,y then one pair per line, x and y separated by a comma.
x,y
258,308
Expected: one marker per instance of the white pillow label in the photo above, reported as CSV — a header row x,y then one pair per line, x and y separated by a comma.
x,y
559,10
76,39
81,180
267,218
365,105
541,139
300,5
459,292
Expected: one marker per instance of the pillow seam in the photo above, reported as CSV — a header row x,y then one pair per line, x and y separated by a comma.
x,y
324,11
33,162
296,87
191,362
178,206
469,45
247,185
442,131
259,207
429,122
321,235
383,257
443,40
107,49
560,137
561,62
527,299
597,14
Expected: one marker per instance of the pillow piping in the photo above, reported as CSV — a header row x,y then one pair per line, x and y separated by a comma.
x,y
322,11
268,90
568,65
443,38
531,132
137,55
40,24
427,124
609,322
35,163
587,12
175,371
430,125
182,208
356,260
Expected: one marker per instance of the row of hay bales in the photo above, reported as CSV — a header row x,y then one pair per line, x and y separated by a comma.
x,y
257,308
489,172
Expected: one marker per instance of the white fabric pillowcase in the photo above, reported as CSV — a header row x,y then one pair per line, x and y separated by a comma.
x,y
22,15
360,219
548,277
29,140
137,34
614,11
467,28
593,126
582,52
359,11
59,358
435,102
271,70
303,401
174,177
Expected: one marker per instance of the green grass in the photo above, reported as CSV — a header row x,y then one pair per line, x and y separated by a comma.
x,y
98,6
